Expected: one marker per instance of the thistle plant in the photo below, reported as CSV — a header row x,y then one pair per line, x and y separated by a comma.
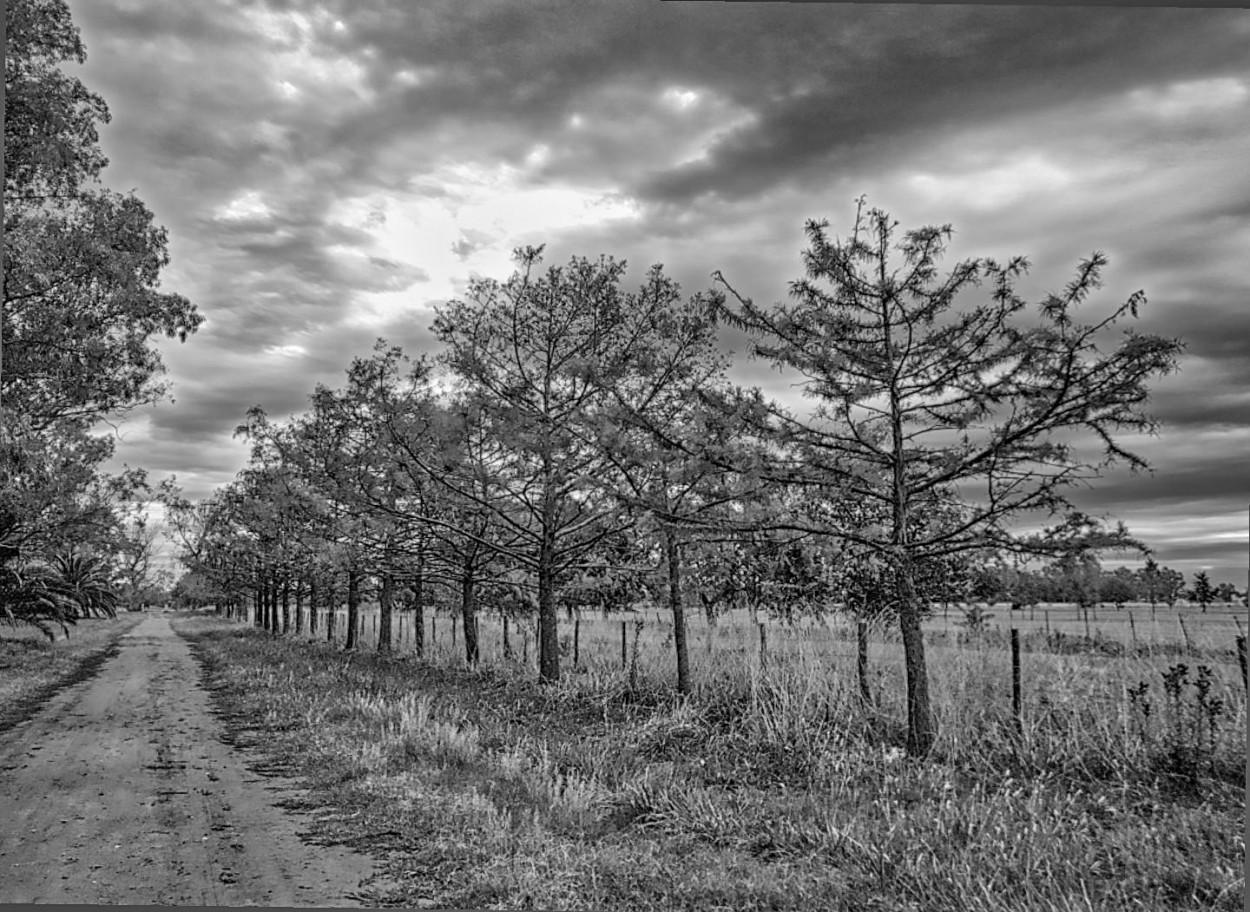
x,y
1190,719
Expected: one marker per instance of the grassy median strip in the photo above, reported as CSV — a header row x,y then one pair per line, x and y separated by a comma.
x,y
482,789
32,669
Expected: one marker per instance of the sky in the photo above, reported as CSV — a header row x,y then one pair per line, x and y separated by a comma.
x,y
330,172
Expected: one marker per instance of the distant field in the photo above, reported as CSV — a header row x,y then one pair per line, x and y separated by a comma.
x,y
737,631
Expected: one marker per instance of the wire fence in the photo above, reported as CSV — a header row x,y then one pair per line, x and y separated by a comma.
x,y
595,637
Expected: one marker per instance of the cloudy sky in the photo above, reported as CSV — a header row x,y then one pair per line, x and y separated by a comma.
x,y
329,172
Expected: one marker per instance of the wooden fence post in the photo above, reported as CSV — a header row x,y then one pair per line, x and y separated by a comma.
x,y
633,661
763,645
1132,629
1241,657
1016,710
861,660
624,648
577,638
1188,644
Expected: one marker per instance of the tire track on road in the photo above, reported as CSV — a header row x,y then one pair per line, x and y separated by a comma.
x,y
120,791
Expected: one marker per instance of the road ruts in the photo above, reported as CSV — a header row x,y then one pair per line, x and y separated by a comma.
x,y
119,791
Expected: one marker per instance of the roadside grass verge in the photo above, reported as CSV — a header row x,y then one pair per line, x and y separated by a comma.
x,y
32,669
769,788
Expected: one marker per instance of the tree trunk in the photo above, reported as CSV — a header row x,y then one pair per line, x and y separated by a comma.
x,y
286,606
331,613
270,600
672,553
549,643
353,606
921,724
299,607
312,605
385,610
257,603
468,608
418,607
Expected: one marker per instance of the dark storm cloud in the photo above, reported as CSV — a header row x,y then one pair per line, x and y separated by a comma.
x,y
824,85
279,381
1206,478
925,72
262,133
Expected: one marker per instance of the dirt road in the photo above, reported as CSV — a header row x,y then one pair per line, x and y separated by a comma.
x,y
119,792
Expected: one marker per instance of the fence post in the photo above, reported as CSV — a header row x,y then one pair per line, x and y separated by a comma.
x,y
1132,629
1016,711
633,661
1188,645
861,660
763,646
1085,611
1241,657
624,648
577,638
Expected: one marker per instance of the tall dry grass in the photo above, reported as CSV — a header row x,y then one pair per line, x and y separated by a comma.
x,y
772,785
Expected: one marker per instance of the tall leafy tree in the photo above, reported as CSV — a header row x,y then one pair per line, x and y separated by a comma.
x,y
529,353
1148,581
653,426
1203,591
919,402
81,295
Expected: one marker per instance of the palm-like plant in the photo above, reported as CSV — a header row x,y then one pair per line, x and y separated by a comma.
x,y
88,577
34,594
56,594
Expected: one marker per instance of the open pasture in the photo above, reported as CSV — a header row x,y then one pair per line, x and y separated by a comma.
x,y
1174,632
814,661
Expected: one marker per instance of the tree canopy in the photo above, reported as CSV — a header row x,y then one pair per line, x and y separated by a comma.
x,y
923,401
81,299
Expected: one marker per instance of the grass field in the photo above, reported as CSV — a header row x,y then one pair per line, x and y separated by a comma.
x,y
772,786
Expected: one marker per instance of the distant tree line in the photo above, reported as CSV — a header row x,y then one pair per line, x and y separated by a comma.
x,y
1084,583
